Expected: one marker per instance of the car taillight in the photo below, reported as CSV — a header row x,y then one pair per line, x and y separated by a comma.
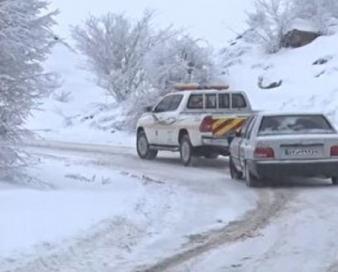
x,y
264,153
334,151
206,125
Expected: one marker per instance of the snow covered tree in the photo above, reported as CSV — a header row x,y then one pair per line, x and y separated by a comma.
x,y
270,21
319,12
25,40
180,59
115,49
137,63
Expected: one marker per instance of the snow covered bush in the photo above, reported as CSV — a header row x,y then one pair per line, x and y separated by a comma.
x,y
115,48
180,59
269,21
25,41
63,96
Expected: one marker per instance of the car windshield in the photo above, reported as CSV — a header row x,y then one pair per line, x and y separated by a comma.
x,y
294,124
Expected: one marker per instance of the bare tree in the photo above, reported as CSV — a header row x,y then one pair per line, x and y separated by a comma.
x,y
115,49
319,12
181,59
25,41
270,21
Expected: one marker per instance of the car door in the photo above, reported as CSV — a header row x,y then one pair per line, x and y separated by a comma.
x,y
245,144
165,118
171,120
236,143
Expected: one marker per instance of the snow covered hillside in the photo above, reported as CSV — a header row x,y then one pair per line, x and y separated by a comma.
x,y
308,75
77,116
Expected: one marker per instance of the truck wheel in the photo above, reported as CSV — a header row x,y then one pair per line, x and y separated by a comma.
x,y
335,180
143,148
186,151
234,173
250,179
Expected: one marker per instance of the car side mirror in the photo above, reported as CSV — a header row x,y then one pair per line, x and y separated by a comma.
x,y
148,109
239,134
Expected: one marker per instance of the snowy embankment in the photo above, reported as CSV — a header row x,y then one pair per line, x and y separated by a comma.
x,y
308,75
80,116
78,200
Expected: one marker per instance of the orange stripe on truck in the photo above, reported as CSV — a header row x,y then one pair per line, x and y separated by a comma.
x,y
225,126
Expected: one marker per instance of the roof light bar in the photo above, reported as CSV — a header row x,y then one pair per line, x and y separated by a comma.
x,y
196,87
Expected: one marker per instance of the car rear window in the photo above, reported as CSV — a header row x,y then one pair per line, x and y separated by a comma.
x,y
238,101
294,124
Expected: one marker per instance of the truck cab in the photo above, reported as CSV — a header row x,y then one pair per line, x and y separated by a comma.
x,y
193,120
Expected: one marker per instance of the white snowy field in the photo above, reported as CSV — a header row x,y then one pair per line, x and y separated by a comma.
x,y
78,200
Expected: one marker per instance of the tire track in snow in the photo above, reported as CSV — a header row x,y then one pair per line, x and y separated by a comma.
x,y
269,205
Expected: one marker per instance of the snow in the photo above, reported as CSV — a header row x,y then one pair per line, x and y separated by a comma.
x,y
78,119
302,238
73,196
305,86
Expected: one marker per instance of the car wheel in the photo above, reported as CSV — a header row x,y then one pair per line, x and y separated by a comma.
x,y
335,180
234,173
250,179
186,151
143,149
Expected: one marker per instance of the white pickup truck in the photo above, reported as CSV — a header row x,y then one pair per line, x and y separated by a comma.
x,y
194,120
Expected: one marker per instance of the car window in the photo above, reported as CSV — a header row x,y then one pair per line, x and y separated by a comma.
x,y
196,101
175,102
224,101
211,101
238,101
294,124
164,105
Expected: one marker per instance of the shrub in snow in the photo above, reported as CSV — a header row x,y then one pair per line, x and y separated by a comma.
x,y
25,41
180,59
63,96
115,48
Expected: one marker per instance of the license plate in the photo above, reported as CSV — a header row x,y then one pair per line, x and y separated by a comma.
x,y
221,142
303,152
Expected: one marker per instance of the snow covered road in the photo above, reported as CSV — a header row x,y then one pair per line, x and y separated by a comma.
x,y
179,219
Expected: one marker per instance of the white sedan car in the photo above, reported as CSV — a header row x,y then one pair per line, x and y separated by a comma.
x,y
283,145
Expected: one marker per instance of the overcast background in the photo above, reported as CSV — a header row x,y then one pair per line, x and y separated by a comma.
x,y
214,20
